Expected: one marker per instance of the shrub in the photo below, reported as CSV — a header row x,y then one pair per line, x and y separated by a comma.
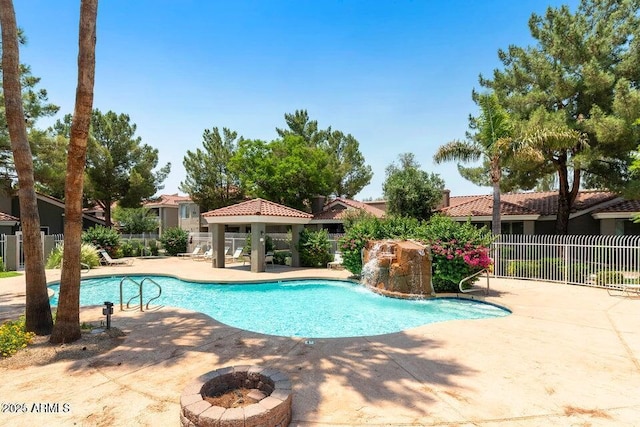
x,y
609,277
523,268
105,238
280,257
358,229
13,337
153,248
314,248
88,255
174,240
458,249
132,248
127,248
2,266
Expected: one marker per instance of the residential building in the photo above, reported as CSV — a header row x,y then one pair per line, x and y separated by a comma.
x,y
594,212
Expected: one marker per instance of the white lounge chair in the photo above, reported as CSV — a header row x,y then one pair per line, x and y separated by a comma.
x,y
107,260
620,289
268,259
205,256
196,251
337,261
236,255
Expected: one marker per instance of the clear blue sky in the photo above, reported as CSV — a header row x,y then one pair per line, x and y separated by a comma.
x,y
397,75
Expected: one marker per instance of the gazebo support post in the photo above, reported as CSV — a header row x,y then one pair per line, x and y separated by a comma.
x,y
258,237
217,242
296,229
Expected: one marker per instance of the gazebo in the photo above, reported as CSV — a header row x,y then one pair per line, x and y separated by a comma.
x,y
258,213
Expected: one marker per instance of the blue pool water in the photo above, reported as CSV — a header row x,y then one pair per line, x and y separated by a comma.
x,y
301,308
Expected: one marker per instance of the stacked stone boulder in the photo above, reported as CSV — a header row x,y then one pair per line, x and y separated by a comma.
x,y
403,267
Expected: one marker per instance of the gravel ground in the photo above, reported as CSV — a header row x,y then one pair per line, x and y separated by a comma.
x,y
41,352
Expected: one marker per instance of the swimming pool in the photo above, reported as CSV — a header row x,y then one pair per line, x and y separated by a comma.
x,y
300,308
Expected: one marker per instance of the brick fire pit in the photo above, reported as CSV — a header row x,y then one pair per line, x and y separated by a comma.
x,y
273,410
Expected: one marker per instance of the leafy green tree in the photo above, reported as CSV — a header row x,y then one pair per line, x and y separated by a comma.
x,y
135,220
490,138
410,191
209,181
119,167
286,171
575,96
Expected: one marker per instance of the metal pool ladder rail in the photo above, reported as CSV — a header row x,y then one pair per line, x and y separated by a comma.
x,y
465,291
140,286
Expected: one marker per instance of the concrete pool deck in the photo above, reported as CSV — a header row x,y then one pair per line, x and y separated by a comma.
x,y
566,356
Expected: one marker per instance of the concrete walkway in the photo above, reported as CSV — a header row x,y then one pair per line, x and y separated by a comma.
x,y
567,356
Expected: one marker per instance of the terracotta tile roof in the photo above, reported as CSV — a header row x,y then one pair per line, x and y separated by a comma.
x,y
336,209
6,217
623,206
483,206
540,203
166,200
258,207
458,200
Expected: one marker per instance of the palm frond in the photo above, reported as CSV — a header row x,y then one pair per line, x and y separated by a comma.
x,y
457,150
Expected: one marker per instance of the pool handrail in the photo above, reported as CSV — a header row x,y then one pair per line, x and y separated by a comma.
x,y
139,294
464,291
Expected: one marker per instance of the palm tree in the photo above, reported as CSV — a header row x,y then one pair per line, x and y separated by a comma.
x,y
67,327
491,141
557,150
38,311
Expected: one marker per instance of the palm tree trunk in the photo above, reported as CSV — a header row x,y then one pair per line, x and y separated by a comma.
x,y
67,327
496,175
38,310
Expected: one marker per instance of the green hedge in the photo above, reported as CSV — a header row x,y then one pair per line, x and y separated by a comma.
x,y
458,249
552,269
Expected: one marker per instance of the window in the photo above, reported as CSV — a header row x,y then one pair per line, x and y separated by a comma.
x,y
184,211
512,227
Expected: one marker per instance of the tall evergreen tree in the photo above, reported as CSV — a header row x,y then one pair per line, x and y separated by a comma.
x,y
347,165
119,167
351,174
575,94
35,104
209,181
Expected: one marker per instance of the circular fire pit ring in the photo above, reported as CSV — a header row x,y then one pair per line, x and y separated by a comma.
x,y
272,389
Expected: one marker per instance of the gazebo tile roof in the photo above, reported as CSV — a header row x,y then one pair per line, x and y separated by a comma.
x,y
258,207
